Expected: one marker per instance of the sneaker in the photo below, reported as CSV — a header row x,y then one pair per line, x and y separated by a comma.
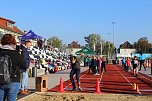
x,y
74,89
27,91
79,88
22,92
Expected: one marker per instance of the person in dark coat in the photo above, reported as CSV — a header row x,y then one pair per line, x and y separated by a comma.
x,y
10,90
75,69
94,65
103,65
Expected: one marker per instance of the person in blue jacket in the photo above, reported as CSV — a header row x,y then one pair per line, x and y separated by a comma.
x,y
24,79
142,60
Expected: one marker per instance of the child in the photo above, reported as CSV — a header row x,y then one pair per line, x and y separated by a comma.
x,y
135,66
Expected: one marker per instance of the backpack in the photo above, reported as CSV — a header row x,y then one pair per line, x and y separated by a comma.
x,y
5,69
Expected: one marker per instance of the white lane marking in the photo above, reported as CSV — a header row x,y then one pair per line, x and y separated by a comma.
x,y
89,78
84,78
74,81
101,77
126,79
145,78
145,90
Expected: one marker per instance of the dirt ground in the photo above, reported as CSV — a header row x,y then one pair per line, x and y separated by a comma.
x,y
84,97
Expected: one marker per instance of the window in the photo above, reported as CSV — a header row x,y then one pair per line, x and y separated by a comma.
x,y
9,25
1,34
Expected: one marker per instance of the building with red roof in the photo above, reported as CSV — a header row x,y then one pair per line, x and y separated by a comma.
x,y
73,48
8,26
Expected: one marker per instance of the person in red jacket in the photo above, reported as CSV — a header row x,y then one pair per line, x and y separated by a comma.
x,y
128,64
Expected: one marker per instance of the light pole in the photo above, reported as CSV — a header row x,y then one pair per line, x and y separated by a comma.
x,y
101,47
113,23
94,44
95,41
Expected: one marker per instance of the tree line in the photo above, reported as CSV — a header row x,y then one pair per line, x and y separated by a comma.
x,y
95,42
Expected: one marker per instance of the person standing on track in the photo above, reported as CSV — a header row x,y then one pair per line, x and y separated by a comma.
x,y
123,63
103,64
75,69
89,63
99,65
142,60
128,64
135,66
94,65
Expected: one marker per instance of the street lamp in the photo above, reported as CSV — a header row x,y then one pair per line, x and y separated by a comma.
x,y
101,47
113,33
94,44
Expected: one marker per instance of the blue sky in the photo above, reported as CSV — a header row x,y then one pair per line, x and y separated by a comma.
x,y
73,19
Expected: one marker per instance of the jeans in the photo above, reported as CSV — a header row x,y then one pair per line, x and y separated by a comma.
x,y
77,72
24,80
103,66
94,69
10,91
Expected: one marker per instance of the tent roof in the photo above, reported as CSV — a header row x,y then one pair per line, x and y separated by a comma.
x,y
30,35
86,51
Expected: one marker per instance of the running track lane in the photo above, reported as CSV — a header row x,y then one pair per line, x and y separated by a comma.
x,y
88,83
115,81
118,81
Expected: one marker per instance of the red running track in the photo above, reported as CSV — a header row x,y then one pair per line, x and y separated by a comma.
x,y
115,81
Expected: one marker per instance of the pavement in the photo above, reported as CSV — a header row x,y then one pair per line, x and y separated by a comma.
x,y
147,72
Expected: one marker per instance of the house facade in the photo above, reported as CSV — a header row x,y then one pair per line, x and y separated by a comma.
x,y
126,53
73,48
8,26
126,50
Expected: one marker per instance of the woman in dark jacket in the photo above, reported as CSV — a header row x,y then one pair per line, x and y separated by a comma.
x,y
75,69
94,65
11,89
103,65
